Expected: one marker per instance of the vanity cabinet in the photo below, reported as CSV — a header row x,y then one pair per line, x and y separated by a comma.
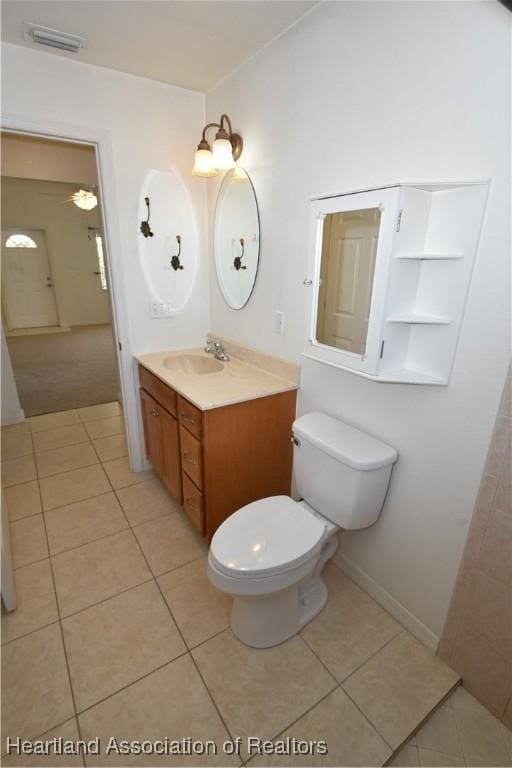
x,y
161,435
216,461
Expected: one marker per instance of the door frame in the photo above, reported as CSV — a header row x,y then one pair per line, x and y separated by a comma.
x,y
101,141
4,301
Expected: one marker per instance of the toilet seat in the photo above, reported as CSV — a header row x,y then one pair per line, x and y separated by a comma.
x,y
269,536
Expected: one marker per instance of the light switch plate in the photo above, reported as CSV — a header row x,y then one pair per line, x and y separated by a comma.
x,y
160,309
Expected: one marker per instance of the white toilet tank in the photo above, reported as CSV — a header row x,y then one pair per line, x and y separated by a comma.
x,y
340,471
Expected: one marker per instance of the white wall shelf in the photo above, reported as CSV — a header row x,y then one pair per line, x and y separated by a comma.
x,y
419,320
404,376
429,256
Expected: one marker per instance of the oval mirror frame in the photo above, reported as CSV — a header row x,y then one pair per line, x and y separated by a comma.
x,y
236,238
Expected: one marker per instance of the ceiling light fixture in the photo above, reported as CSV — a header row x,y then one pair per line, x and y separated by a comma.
x,y
227,148
54,38
84,199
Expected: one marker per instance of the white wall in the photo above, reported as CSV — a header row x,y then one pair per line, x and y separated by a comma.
x,y
149,125
11,406
70,244
27,157
357,94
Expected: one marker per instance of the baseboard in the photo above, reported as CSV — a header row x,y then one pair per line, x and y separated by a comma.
x,y
396,609
13,418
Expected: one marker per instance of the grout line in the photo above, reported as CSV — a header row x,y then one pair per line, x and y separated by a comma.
x,y
73,469
32,562
207,640
385,610
486,640
324,665
460,734
214,703
132,682
176,567
105,599
26,517
427,717
66,660
374,727
82,441
30,632
87,543
87,498
294,722
372,656
40,735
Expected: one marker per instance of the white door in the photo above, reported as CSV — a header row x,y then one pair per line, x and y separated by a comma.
x,y
27,287
347,278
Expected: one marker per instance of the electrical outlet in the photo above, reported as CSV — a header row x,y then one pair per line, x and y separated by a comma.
x,y
279,322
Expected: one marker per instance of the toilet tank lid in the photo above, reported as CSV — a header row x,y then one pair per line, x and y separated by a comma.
x,y
347,444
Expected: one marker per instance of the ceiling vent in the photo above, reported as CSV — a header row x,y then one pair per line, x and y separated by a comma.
x,y
54,38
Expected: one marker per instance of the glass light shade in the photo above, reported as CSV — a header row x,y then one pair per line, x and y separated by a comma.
x,y
84,199
203,165
239,174
223,154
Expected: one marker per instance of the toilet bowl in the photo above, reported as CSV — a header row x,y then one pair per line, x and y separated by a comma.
x,y
266,557
269,555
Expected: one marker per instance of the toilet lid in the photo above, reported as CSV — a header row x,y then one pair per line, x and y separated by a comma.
x,y
272,534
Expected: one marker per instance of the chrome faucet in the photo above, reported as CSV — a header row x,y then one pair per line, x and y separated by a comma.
x,y
218,350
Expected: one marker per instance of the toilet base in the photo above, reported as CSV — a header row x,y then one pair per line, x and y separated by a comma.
x,y
270,620
312,602
267,620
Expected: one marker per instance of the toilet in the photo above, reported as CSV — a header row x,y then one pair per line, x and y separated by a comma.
x,y
269,555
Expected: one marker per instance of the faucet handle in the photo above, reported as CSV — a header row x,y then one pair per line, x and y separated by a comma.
x,y
209,346
218,346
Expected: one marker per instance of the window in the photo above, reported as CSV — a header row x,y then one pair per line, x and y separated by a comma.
x,y
101,263
20,241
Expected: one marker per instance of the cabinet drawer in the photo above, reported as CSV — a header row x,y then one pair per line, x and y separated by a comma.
x,y
191,457
193,503
160,391
190,416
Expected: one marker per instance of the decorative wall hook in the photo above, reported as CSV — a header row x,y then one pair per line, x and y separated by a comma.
x,y
144,225
175,260
237,263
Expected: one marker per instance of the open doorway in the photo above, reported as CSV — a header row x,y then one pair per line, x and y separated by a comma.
x,y
56,303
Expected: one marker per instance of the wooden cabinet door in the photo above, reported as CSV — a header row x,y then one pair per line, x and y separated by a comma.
x,y
171,462
152,430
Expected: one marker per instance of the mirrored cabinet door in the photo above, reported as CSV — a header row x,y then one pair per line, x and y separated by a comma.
x,y
347,268
352,237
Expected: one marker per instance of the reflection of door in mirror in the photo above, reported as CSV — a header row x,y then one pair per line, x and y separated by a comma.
x,y
349,248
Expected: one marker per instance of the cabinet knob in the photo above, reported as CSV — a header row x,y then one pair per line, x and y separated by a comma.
x,y
154,413
186,418
188,457
307,282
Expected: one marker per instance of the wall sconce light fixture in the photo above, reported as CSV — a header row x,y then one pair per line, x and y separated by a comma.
x,y
227,148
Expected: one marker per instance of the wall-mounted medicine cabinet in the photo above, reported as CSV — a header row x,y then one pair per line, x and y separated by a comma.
x,y
389,275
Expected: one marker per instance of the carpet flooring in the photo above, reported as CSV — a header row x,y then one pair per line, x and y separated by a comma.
x,y
60,371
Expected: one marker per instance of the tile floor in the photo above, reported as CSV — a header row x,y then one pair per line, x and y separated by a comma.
x,y
118,632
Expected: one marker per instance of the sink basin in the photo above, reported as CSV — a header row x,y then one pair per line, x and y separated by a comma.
x,y
193,364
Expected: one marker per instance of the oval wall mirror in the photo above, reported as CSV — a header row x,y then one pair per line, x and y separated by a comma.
x,y
236,238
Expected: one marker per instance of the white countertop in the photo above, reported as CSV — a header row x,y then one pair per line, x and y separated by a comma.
x,y
235,383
